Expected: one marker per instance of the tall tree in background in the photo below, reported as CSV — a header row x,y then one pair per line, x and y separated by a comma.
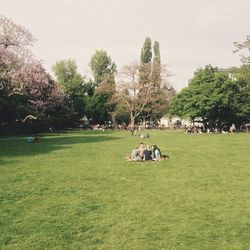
x,y
100,106
156,70
102,67
146,51
73,84
140,100
131,92
155,75
146,57
244,46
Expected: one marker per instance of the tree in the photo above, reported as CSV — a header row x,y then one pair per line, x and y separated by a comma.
x,y
157,75
131,92
145,66
213,95
102,67
40,92
242,74
156,69
73,84
16,39
139,98
146,51
27,91
104,71
244,46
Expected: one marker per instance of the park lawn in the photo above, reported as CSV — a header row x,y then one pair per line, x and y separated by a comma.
x,y
75,190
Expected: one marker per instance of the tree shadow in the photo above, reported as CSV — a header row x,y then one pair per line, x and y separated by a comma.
x,y
19,147
6,162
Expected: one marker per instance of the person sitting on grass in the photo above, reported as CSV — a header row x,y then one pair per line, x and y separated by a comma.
x,y
141,149
147,154
156,154
135,155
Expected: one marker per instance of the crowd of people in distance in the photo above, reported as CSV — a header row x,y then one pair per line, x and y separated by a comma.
x,y
194,129
211,130
145,153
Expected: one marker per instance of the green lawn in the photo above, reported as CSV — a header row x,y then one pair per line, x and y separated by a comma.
x,y
75,190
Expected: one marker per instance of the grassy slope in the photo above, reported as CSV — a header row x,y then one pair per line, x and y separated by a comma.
x,y
75,190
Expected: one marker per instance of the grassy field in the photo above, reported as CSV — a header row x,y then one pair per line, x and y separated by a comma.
x,y
75,190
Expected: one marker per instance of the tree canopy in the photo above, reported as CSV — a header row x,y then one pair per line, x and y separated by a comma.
x,y
214,95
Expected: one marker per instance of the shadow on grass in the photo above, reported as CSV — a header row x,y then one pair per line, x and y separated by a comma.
x,y
6,162
19,147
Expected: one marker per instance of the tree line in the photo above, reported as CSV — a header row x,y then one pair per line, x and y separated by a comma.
x,y
32,100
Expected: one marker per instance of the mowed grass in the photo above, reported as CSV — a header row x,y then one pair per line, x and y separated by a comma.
x,y
75,190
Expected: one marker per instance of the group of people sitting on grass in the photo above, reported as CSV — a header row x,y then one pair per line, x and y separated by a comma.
x,y
145,153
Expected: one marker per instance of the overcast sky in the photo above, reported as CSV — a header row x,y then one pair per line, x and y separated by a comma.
x,y
191,33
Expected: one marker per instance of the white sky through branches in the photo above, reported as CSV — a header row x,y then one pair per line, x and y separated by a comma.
x,y
191,33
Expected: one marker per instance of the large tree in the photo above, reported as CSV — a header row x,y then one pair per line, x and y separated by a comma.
x,y
146,57
26,89
100,106
102,67
131,92
140,99
213,95
156,69
146,51
156,74
74,86
39,91
15,38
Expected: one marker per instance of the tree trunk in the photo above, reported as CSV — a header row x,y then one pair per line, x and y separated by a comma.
x,y
132,123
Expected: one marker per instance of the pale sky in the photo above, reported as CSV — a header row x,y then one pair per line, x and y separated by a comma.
x,y
191,33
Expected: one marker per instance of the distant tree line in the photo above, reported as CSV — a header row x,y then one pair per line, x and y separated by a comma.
x,y
31,100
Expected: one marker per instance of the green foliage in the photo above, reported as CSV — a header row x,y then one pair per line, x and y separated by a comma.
x,y
242,75
244,46
122,114
100,105
156,68
146,51
213,95
73,83
67,75
157,55
75,190
102,67
97,108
